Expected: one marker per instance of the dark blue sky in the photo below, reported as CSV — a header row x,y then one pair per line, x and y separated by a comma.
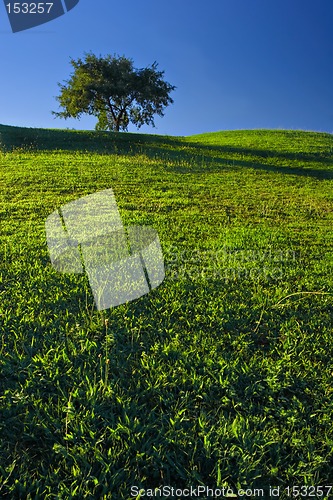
x,y
237,64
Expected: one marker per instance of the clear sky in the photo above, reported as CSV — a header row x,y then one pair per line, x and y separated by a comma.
x,y
237,64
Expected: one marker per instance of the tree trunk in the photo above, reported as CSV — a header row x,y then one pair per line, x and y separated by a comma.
x,y
117,123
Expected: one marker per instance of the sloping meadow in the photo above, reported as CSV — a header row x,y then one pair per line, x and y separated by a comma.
x,y
222,376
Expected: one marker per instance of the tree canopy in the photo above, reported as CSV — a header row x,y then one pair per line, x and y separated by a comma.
x,y
111,89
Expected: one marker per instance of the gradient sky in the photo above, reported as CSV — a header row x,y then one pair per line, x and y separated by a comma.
x,y
237,64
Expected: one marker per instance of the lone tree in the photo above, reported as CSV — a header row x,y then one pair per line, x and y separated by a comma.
x,y
111,89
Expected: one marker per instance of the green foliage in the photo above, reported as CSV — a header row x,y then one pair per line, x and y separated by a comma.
x,y
223,374
111,89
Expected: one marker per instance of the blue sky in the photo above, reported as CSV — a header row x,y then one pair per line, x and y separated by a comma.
x,y
237,64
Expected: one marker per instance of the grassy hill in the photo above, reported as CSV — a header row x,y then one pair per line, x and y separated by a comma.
x,y
222,376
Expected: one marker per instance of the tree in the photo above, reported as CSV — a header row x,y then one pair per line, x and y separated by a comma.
x,y
111,89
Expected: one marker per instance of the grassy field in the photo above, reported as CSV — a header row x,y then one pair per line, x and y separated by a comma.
x,y
222,376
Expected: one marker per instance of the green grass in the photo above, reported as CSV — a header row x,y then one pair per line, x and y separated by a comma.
x,y
222,376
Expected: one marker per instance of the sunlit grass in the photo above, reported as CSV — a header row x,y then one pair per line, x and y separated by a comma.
x,y
223,374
